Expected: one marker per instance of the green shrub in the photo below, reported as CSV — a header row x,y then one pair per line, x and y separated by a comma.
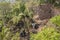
x,y
48,33
56,20
6,34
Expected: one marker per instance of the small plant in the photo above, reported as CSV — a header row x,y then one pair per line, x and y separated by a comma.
x,y
56,20
48,33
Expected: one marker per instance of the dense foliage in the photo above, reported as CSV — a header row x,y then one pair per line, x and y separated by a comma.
x,y
16,17
56,20
47,33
